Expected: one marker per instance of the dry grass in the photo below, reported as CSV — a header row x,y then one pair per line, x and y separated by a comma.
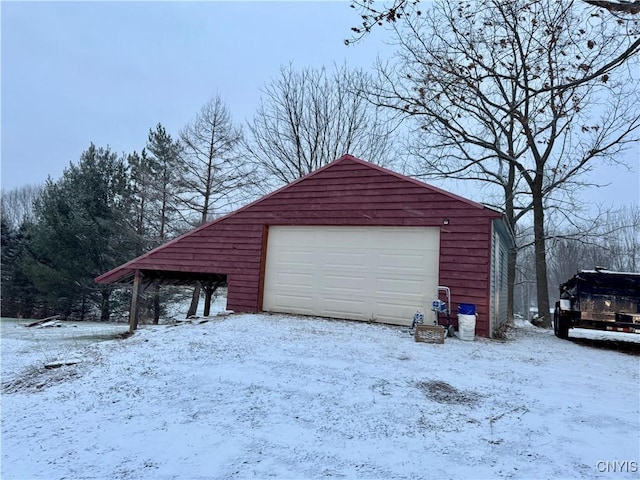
x,y
442,392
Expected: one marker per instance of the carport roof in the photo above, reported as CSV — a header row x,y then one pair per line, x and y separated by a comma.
x,y
170,277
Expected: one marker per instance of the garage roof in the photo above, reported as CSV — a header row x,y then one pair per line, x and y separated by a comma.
x,y
150,261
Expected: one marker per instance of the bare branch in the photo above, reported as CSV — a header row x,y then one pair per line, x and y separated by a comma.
x,y
308,118
630,7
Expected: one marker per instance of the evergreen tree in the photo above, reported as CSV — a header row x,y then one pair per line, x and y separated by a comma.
x,y
19,296
142,173
163,164
84,228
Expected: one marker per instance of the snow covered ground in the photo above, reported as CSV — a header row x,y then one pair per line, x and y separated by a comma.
x,y
276,396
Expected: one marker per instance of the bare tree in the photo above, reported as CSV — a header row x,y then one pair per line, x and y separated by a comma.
x,y
376,14
524,284
214,174
613,242
491,86
308,118
214,171
17,204
617,6
626,224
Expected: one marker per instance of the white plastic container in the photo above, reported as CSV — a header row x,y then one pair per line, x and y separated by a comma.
x,y
466,327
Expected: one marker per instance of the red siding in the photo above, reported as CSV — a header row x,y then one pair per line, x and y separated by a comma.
x,y
346,192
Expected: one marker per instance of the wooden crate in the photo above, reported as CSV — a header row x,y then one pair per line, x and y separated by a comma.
x,y
429,333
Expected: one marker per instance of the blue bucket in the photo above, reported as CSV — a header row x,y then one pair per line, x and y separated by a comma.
x,y
466,309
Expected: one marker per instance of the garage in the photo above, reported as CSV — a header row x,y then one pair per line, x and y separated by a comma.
x,y
381,274
351,240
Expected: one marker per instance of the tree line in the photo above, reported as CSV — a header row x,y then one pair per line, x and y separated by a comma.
x,y
610,239
524,98
109,207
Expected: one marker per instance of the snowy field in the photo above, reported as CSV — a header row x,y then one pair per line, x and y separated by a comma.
x,y
275,396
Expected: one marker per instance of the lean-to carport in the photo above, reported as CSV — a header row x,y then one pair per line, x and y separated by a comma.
x,y
142,279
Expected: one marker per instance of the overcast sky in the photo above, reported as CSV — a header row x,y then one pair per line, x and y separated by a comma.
x,y
107,72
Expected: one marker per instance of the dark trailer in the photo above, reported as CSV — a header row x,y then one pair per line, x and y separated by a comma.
x,y
599,299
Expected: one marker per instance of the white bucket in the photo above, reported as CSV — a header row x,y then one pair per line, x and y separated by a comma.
x,y
466,327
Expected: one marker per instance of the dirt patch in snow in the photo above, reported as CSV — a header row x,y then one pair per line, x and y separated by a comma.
x,y
442,392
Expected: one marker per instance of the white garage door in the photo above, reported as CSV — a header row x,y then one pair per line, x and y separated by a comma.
x,y
379,274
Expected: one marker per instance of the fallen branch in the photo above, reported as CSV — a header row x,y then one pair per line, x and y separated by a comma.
x,y
44,320
62,363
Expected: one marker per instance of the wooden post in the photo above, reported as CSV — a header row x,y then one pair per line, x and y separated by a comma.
x,y
210,288
208,293
134,308
195,298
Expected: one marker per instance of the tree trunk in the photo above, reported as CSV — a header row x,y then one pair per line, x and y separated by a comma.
x,y
83,307
156,305
542,288
105,311
193,308
208,294
512,256
134,309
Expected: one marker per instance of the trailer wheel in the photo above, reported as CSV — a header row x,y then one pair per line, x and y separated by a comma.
x,y
560,327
